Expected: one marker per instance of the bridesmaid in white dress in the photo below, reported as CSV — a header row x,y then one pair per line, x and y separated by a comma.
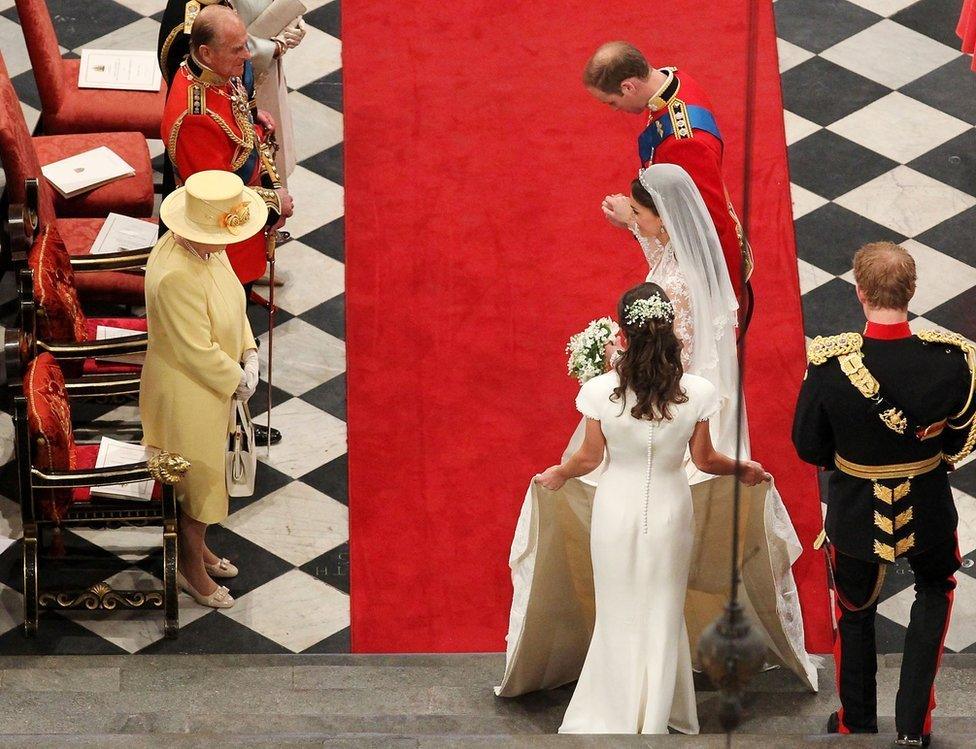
x,y
646,412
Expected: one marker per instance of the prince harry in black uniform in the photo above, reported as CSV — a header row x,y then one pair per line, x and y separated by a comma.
x,y
890,413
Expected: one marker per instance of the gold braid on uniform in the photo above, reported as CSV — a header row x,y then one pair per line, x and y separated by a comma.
x,y
174,135
969,350
266,151
164,50
270,198
244,144
824,348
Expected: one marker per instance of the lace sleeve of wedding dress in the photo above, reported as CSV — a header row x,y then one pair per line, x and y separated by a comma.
x,y
676,288
665,272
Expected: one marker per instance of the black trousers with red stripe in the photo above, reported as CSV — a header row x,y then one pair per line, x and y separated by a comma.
x,y
855,651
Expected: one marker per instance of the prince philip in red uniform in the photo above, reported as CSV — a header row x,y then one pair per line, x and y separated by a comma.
x,y
210,122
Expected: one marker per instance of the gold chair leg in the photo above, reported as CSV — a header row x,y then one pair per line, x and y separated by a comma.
x,y
30,580
170,594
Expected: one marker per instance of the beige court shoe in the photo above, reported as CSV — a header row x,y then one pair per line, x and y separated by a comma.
x,y
222,569
219,599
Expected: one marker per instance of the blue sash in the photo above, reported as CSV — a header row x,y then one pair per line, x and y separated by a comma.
x,y
247,168
658,131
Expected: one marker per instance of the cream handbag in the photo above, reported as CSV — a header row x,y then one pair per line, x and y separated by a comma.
x,y
242,457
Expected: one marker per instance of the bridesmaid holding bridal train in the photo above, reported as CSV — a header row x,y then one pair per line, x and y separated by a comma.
x,y
645,412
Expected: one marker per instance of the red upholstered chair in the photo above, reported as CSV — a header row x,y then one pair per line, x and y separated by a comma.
x,y
23,157
52,318
55,477
65,107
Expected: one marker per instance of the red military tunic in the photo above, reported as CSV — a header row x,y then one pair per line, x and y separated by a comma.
x,y
699,152
208,124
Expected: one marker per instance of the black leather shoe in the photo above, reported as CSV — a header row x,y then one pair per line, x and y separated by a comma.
x,y
912,739
261,435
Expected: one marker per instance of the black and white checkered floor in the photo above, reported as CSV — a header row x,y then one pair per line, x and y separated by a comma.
x,y
290,538
880,115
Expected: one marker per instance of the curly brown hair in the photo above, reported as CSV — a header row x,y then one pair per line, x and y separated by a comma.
x,y
651,365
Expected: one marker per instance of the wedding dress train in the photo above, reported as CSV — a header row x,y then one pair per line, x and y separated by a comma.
x,y
553,607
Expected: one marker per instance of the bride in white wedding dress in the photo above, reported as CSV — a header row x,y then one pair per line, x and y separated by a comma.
x,y
552,611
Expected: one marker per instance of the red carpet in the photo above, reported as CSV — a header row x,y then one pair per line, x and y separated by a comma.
x,y
475,166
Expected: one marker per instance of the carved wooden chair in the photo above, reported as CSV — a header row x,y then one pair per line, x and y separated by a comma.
x,y
23,156
65,108
55,475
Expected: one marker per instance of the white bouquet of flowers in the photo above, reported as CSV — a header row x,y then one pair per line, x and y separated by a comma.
x,y
587,349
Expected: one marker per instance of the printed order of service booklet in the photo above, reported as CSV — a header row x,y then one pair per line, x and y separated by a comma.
x,y
86,171
119,70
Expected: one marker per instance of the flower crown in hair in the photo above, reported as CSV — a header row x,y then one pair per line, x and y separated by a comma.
x,y
652,308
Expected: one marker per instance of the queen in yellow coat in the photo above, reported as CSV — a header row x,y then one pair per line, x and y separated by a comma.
x,y
201,354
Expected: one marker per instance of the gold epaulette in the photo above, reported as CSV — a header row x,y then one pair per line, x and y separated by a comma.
x,y
966,418
823,348
944,336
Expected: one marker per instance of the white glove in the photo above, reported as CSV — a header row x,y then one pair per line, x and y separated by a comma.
x,y
292,36
249,376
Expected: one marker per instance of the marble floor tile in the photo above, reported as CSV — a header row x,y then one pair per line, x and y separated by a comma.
x,y
144,7
11,609
13,47
11,526
790,55
966,507
142,34
962,627
804,201
884,7
318,201
295,610
313,277
811,276
7,438
923,323
297,523
315,4
906,201
304,356
317,127
899,127
318,54
311,438
156,147
127,413
134,630
890,54
797,128
131,544
940,277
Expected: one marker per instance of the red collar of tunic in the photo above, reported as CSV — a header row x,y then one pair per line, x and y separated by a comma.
x,y
887,331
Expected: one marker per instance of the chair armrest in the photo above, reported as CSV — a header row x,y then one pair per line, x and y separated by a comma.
x,y
94,386
130,260
166,468
125,474
137,343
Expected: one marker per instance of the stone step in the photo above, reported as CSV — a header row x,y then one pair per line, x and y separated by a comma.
x,y
392,700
